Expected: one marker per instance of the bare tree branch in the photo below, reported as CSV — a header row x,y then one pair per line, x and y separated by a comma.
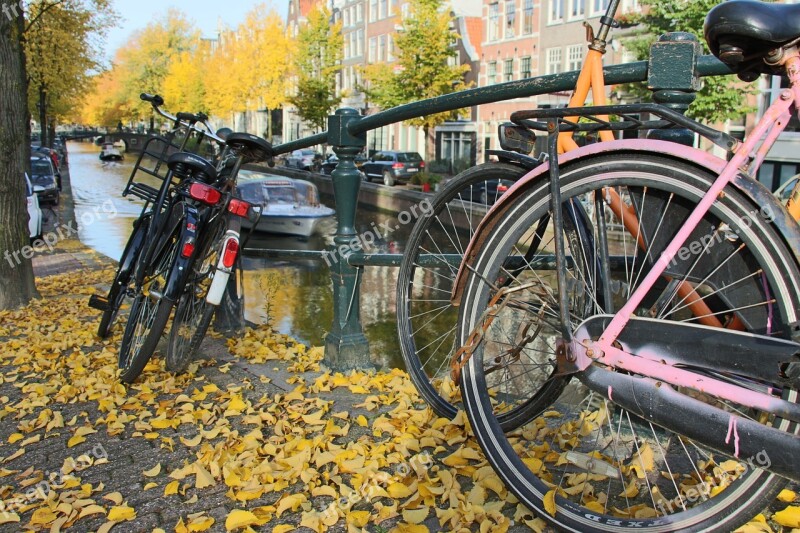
x,y
44,10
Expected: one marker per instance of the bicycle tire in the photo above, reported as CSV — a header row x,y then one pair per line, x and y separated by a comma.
x,y
675,185
193,314
427,363
149,313
122,278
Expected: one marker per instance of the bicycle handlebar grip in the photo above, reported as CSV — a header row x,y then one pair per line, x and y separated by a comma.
x,y
202,116
188,117
154,99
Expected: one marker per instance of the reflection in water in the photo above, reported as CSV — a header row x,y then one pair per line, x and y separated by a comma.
x,y
294,296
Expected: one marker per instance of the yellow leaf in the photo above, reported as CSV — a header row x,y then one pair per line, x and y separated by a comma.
x,y
595,506
15,437
171,488
358,518
8,518
204,478
237,404
787,496
283,528
201,523
150,485
191,443
114,497
398,490
74,441
90,510
42,517
121,513
550,502
153,472
292,502
362,421
416,516
789,517
632,490
238,518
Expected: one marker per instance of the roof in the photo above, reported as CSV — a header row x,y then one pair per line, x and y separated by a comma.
x,y
471,31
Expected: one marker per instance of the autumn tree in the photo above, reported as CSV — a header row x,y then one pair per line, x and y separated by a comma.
x,y
722,97
62,43
319,54
16,272
425,46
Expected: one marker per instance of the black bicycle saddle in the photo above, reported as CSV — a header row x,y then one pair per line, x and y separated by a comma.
x,y
187,165
743,32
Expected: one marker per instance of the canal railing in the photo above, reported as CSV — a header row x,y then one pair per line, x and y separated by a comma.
x,y
672,72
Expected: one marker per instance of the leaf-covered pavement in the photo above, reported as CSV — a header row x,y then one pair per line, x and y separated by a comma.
x,y
257,438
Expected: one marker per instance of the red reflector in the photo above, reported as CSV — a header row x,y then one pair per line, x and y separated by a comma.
x,y
238,207
397,165
204,193
422,164
188,249
231,250
502,188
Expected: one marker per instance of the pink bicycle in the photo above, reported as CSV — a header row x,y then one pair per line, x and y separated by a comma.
x,y
652,416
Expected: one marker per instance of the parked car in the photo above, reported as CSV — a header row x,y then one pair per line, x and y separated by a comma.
x,y
393,167
785,191
304,160
44,178
35,219
330,163
487,192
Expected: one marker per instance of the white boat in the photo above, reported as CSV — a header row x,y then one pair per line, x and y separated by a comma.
x,y
288,206
109,152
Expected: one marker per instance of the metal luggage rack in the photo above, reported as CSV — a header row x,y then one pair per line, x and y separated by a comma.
x,y
152,162
595,120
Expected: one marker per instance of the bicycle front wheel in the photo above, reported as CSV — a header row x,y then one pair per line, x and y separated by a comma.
x,y
587,464
426,320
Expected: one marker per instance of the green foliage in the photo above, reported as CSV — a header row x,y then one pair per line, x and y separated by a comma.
x,y
319,54
422,70
722,97
63,43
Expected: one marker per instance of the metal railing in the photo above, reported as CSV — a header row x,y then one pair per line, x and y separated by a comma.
x,y
672,73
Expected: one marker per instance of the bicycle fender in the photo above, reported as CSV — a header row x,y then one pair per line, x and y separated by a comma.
x,y
756,192
182,267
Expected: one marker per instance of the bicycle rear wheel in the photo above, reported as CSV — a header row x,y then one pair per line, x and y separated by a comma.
x,y
193,314
426,319
149,314
596,466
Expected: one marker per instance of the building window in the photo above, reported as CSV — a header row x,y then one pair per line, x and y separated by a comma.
x,y
527,18
373,46
494,21
511,18
508,70
630,5
491,73
574,57
457,147
347,48
556,11
525,67
360,12
577,9
554,65
599,7
389,48
382,9
382,48
373,10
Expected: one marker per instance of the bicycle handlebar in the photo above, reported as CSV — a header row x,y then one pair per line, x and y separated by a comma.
x,y
187,120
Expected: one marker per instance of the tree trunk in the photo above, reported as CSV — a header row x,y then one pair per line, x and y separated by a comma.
x,y
430,143
16,273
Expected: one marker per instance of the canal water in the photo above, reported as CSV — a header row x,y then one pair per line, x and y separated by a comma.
x,y
294,297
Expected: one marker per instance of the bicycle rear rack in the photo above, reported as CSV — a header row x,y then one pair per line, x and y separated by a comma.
x,y
590,120
151,162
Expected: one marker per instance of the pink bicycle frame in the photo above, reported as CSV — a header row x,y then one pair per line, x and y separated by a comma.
x,y
749,155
